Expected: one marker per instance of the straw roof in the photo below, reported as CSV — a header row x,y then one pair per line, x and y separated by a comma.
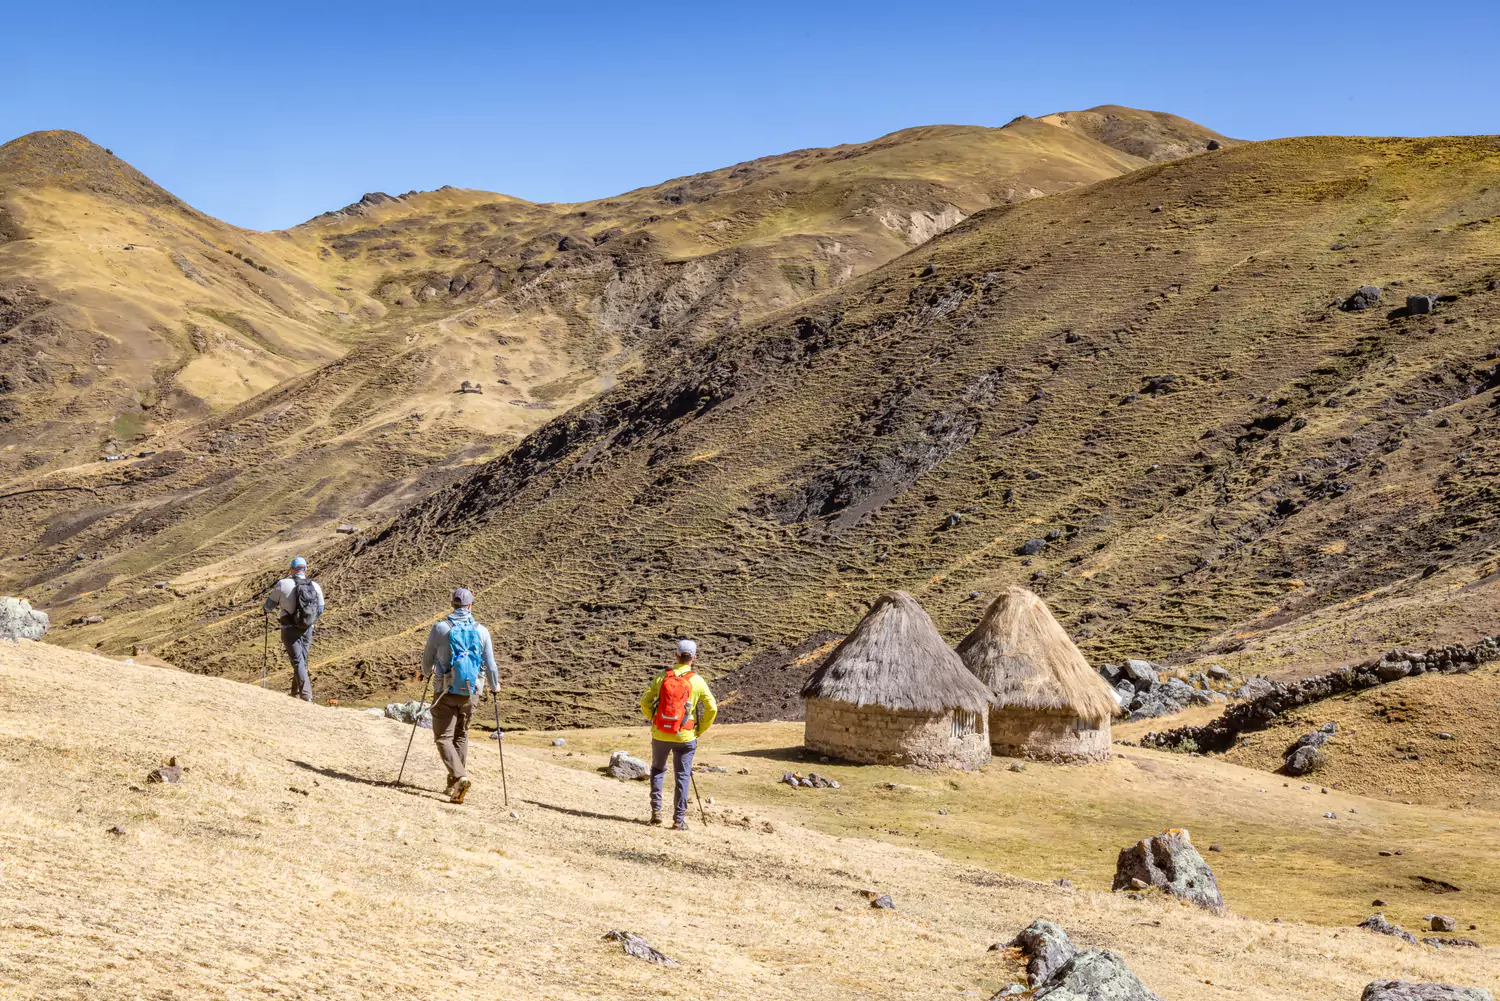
x,y
895,658
1022,653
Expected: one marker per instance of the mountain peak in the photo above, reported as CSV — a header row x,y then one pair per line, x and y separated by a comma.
x,y
62,158
1151,135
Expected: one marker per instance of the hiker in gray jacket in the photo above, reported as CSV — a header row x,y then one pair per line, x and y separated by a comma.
x,y
453,709
299,602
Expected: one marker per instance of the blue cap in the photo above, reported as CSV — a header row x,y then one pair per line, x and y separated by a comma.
x,y
687,648
299,563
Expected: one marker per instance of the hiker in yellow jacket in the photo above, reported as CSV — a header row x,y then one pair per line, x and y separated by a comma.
x,y
681,709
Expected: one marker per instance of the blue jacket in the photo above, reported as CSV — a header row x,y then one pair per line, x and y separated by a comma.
x,y
437,654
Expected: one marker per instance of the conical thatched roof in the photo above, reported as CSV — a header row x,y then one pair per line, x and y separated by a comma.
x,y
895,658
1022,653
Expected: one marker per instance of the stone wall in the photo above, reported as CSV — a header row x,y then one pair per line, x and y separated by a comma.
x,y
1030,733
876,736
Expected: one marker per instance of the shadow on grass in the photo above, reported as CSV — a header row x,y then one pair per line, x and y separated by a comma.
x,y
585,813
406,787
779,753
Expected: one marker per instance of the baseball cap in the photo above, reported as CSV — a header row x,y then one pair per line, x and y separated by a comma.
x,y
299,563
463,597
687,647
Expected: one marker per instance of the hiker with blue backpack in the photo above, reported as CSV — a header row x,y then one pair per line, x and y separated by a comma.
x,y
299,600
460,656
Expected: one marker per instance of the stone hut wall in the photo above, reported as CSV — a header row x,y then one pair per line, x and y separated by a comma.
x,y
877,736
1029,733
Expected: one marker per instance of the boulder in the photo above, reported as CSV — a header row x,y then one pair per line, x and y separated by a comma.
x,y
411,712
1417,304
884,902
1392,670
470,387
1142,673
1442,922
1303,760
1170,862
346,530
1031,547
19,621
559,742
1047,948
1124,693
634,945
1213,144
1363,298
171,773
1378,923
1219,673
1097,975
1110,673
1405,990
623,766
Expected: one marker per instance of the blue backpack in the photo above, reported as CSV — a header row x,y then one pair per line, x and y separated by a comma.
x,y
466,657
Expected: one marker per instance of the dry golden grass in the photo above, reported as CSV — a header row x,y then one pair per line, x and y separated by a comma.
x,y
284,865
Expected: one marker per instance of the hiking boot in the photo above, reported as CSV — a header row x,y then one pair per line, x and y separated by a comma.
x,y
656,820
448,789
681,825
460,790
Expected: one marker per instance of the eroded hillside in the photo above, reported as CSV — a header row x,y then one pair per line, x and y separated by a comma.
x,y
1150,376
186,402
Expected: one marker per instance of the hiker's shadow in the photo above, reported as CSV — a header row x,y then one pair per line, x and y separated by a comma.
x,y
334,773
585,813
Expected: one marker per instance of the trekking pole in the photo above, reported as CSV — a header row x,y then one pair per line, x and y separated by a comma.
x,y
415,716
701,812
265,649
500,739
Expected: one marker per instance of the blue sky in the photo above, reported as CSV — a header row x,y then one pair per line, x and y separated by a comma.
x,y
267,114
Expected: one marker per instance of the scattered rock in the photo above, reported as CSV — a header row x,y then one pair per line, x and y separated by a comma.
x,y
346,530
1444,735
1363,298
470,387
1377,902
1096,975
1303,760
1169,861
1047,948
161,585
1405,990
171,772
1215,848
1031,547
1442,922
559,742
623,766
117,831
1016,766
1139,884
634,945
1213,144
1418,304
1330,816
1446,941
1378,923
884,902
411,712
1064,882
19,621
1219,673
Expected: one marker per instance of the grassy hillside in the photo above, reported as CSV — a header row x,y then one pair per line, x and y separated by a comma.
x,y
285,863
1150,374
289,382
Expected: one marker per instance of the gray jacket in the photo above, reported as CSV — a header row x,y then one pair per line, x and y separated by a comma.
x,y
283,597
437,655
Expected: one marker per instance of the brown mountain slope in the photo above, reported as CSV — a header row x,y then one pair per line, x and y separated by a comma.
x,y
291,381
1146,374
1150,135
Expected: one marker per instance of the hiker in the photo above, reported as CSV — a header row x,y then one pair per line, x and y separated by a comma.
x,y
459,653
300,602
681,709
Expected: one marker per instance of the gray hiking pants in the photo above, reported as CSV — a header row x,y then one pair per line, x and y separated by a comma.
x,y
297,640
682,774
451,716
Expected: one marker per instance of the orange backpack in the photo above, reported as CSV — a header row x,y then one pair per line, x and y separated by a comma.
x,y
674,702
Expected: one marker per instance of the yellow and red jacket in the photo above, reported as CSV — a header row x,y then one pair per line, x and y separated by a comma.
x,y
702,706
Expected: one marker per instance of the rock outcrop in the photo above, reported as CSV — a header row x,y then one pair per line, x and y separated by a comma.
x,y
1058,971
19,621
623,766
1169,862
1405,990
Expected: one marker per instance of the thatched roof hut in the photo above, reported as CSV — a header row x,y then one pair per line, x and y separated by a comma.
x,y
893,692
1048,701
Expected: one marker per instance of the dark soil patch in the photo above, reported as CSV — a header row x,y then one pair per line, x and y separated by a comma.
x,y
769,686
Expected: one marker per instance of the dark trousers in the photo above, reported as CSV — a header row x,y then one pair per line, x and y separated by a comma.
x,y
451,715
297,640
682,774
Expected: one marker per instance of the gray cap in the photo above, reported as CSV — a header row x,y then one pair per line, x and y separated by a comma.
x,y
463,598
687,648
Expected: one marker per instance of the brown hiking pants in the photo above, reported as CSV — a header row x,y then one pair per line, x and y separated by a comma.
x,y
451,716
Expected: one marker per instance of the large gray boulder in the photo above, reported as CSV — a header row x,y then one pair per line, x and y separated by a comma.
x,y
1096,975
1405,990
1305,759
1142,673
1378,923
1169,862
411,712
623,766
19,621
1048,949
1363,298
